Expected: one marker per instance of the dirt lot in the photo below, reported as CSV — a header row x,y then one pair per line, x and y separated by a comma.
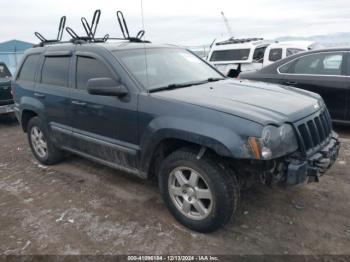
x,y
79,207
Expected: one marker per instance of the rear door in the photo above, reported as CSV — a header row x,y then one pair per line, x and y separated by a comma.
x,y
322,73
53,91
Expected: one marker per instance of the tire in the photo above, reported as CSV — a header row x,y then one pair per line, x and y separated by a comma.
x,y
209,210
52,154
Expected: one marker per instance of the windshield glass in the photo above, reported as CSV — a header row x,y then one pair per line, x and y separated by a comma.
x,y
165,66
230,55
4,72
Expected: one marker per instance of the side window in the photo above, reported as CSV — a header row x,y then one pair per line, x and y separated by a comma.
x,y
28,69
55,71
88,68
293,51
259,53
275,54
319,64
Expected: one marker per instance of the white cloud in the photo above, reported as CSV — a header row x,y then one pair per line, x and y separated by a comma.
x,y
179,21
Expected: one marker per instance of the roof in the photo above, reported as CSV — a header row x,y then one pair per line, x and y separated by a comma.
x,y
14,46
294,44
111,45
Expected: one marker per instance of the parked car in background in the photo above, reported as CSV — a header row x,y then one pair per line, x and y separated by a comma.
x,y
326,72
6,100
233,56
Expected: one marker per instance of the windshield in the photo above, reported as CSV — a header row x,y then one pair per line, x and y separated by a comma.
x,y
4,72
230,55
165,66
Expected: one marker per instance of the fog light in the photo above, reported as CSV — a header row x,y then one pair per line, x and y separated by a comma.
x,y
266,153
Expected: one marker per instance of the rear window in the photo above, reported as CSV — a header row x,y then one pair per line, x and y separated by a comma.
x,y
4,72
29,68
55,71
230,55
275,54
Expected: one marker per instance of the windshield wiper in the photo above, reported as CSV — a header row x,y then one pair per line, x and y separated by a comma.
x,y
215,79
176,86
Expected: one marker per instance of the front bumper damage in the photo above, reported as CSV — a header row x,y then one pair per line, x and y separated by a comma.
x,y
6,109
314,166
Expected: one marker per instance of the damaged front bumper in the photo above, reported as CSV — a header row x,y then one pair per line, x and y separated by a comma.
x,y
314,166
6,109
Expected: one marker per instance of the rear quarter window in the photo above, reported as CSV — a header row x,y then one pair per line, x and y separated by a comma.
x,y
230,55
29,68
55,71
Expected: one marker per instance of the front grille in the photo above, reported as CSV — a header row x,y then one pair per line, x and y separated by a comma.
x,y
315,131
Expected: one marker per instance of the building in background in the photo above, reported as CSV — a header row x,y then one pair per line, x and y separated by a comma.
x,y
11,52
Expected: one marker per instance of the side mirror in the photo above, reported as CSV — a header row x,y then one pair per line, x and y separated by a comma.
x,y
106,87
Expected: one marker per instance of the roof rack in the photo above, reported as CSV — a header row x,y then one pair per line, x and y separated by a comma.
x,y
90,30
125,30
61,26
238,41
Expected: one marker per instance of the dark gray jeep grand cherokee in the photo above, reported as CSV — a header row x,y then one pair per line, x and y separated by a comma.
x,y
161,112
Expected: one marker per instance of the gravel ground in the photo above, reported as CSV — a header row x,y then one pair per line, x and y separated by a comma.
x,y
79,207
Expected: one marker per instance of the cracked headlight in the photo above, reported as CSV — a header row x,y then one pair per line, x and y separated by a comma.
x,y
274,142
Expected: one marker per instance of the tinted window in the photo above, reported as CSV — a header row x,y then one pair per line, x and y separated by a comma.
x,y
4,72
259,53
230,55
55,71
319,64
88,68
275,54
29,67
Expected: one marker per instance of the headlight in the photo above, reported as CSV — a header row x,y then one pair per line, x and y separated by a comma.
x,y
274,142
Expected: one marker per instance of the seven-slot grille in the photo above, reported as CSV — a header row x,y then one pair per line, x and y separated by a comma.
x,y
315,131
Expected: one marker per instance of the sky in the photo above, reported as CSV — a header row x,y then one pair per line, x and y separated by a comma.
x,y
182,22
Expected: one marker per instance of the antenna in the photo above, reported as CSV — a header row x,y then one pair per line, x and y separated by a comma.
x,y
228,27
61,27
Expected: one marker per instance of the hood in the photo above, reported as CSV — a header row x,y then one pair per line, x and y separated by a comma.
x,y
260,102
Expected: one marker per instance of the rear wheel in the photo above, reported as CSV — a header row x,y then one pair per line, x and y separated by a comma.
x,y
42,148
200,193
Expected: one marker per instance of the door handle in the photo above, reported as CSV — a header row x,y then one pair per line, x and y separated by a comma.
x,y
291,83
78,103
39,95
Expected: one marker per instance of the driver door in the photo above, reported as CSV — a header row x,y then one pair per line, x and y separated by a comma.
x,y
104,127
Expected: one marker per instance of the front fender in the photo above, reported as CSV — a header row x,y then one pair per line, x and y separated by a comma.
x,y
222,140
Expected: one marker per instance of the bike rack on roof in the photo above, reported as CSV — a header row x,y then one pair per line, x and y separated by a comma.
x,y
90,30
125,30
61,27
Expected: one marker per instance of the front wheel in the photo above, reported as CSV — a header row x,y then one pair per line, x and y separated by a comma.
x,y
200,193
